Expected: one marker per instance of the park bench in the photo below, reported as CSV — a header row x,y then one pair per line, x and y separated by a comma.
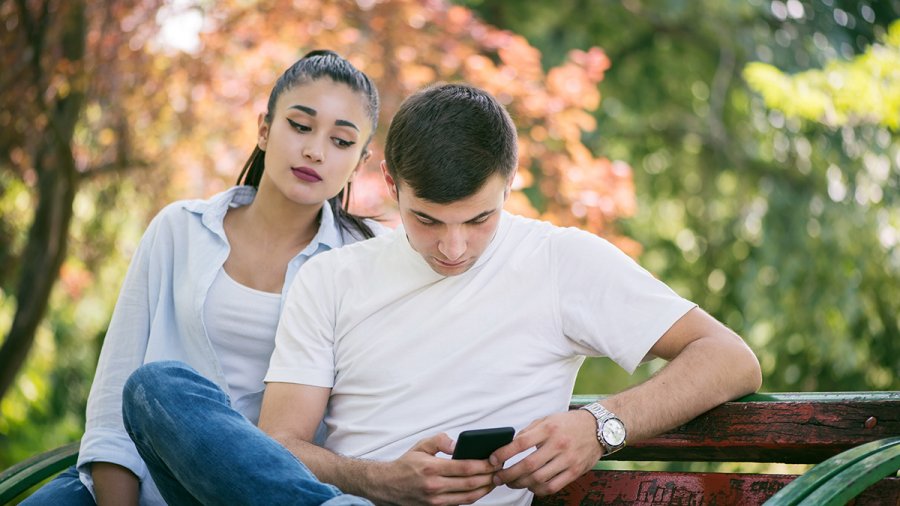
x,y
852,437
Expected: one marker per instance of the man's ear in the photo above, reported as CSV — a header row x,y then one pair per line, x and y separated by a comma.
x,y
389,180
263,132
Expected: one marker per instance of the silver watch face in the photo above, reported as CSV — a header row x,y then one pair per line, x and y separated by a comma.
x,y
613,432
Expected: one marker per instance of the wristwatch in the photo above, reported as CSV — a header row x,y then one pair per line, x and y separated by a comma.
x,y
610,430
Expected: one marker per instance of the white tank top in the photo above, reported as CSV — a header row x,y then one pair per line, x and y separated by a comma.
x,y
241,323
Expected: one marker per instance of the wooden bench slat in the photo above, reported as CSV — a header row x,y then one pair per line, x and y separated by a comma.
x,y
788,430
838,397
659,488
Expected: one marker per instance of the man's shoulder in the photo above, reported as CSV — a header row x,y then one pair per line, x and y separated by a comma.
x,y
541,231
363,252
518,224
351,234
560,243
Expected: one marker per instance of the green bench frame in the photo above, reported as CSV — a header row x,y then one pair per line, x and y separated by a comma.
x,y
853,437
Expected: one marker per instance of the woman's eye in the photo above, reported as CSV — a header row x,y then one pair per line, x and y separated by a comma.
x,y
341,143
298,127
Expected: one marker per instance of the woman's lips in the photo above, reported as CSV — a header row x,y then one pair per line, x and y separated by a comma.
x,y
306,174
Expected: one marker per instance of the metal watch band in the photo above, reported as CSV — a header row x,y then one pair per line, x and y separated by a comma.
x,y
602,415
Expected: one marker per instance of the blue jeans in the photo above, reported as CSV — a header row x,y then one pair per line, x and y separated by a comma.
x,y
201,451
64,490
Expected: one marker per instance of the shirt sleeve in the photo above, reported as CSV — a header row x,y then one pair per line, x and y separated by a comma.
x,y
124,348
608,304
304,341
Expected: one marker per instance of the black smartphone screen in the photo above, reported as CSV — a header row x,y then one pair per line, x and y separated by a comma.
x,y
480,444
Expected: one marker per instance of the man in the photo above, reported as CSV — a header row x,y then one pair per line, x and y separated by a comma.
x,y
468,317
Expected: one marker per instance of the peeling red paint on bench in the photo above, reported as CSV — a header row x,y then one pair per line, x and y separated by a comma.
x,y
659,488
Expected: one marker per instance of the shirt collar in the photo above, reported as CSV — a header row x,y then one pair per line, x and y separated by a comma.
x,y
502,228
213,211
329,234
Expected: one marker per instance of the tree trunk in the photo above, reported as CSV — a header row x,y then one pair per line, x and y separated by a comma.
x,y
57,185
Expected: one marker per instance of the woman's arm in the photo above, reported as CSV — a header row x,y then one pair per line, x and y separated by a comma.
x,y
107,458
114,485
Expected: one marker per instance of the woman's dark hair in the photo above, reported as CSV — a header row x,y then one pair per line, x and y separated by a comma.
x,y
447,140
316,65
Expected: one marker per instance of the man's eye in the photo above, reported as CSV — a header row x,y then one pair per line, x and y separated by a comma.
x,y
425,222
298,127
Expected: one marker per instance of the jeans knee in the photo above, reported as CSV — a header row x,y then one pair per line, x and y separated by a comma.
x,y
156,380
156,377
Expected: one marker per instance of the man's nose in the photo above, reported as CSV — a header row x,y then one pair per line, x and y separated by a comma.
x,y
453,243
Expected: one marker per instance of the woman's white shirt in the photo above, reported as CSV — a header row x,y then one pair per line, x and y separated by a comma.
x,y
240,322
159,315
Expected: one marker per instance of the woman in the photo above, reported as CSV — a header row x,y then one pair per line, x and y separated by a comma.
x,y
206,284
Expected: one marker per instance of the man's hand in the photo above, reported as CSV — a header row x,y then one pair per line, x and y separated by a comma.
x,y
419,477
567,447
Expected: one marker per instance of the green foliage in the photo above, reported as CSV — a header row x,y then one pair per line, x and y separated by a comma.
x,y
184,116
47,408
785,230
864,90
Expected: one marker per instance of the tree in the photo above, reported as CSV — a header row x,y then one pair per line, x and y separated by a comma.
x,y
863,90
844,120
405,45
62,59
190,117
783,230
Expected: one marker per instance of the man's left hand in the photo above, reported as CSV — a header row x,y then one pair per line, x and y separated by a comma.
x,y
567,447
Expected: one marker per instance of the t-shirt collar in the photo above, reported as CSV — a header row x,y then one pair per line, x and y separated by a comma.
x,y
499,234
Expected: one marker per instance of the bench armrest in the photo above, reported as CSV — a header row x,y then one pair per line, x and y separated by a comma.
x,y
26,474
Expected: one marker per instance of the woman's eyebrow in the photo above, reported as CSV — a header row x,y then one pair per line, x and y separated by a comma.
x,y
313,112
343,122
307,110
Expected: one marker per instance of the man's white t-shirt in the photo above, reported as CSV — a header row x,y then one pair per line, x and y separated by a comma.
x,y
409,353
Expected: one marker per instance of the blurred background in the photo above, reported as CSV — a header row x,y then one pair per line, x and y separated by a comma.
x,y
745,152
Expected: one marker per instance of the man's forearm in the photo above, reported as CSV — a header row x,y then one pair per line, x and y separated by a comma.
x,y
417,477
706,373
689,385
352,476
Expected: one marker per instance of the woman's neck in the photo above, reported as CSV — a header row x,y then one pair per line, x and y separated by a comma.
x,y
279,222
264,236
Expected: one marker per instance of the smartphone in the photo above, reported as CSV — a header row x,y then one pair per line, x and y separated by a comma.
x,y
481,443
